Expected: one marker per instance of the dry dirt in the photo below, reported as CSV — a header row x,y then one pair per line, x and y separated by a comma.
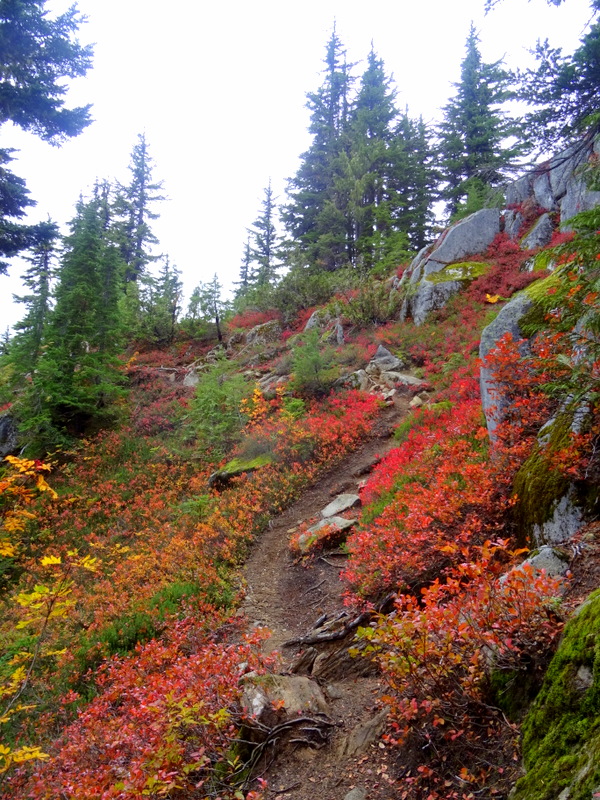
x,y
288,598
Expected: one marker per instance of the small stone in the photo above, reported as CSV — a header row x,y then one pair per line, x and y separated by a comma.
x,y
333,692
342,503
356,794
416,402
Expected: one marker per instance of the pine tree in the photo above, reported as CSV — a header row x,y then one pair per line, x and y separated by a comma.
x,y
245,281
474,130
266,242
160,304
316,215
207,303
133,208
36,55
27,344
370,139
77,376
564,91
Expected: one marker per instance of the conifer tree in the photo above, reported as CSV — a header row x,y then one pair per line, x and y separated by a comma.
x,y
316,215
134,211
37,53
27,343
160,304
207,303
266,242
245,281
564,92
473,131
77,377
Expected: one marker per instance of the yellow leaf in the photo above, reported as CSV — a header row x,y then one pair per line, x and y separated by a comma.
x,y
43,487
492,298
46,561
7,549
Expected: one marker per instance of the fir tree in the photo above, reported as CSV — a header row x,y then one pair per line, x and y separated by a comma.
x,y
77,376
266,242
473,132
133,208
36,55
245,281
27,344
316,215
564,91
160,304
207,303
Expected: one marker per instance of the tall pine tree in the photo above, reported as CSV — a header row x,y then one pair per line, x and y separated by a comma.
x,y
316,214
77,377
474,130
134,211
265,248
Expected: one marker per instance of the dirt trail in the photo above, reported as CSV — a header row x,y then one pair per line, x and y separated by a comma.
x,y
288,598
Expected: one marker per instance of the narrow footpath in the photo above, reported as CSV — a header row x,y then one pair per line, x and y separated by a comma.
x,y
347,760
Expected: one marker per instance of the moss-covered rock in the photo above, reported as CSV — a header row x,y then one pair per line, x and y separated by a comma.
x,y
546,511
561,733
461,271
238,466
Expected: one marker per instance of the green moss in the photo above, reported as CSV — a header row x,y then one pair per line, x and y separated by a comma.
x,y
237,465
538,487
461,271
561,733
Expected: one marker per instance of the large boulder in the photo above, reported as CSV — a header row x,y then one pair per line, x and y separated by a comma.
x,y
429,282
493,399
8,435
468,237
265,333
540,235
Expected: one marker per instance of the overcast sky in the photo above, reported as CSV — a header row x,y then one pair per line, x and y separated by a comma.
x,y
220,88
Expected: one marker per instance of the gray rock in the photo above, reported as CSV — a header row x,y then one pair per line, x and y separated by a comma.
x,y
540,234
192,378
363,735
339,524
297,694
356,794
519,191
468,237
549,560
265,333
513,222
577,198
395,378
431,297
317,319
542,190
584,679
8,435
416,402
341,503
567,519
507,321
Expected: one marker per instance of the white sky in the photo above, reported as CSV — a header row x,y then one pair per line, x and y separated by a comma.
x,y
219,89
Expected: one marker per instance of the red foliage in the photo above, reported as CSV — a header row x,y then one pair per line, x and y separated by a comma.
x,y
250,318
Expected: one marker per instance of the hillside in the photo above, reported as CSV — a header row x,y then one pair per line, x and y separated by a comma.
x,y
185,615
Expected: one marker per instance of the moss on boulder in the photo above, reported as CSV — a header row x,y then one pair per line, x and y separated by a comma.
x,y
460,271
561,733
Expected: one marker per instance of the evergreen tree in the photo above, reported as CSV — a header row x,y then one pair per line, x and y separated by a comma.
x,y
564,91
133,208
316,215
36,55
473,132
207,303
77,376
160,304
266,242
245,281
27,344
372,137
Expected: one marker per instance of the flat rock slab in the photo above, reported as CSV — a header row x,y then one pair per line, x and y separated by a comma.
x,y
364,735
341,523
294,693
342,503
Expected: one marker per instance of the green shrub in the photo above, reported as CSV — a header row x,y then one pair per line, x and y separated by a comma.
x,y
313,370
